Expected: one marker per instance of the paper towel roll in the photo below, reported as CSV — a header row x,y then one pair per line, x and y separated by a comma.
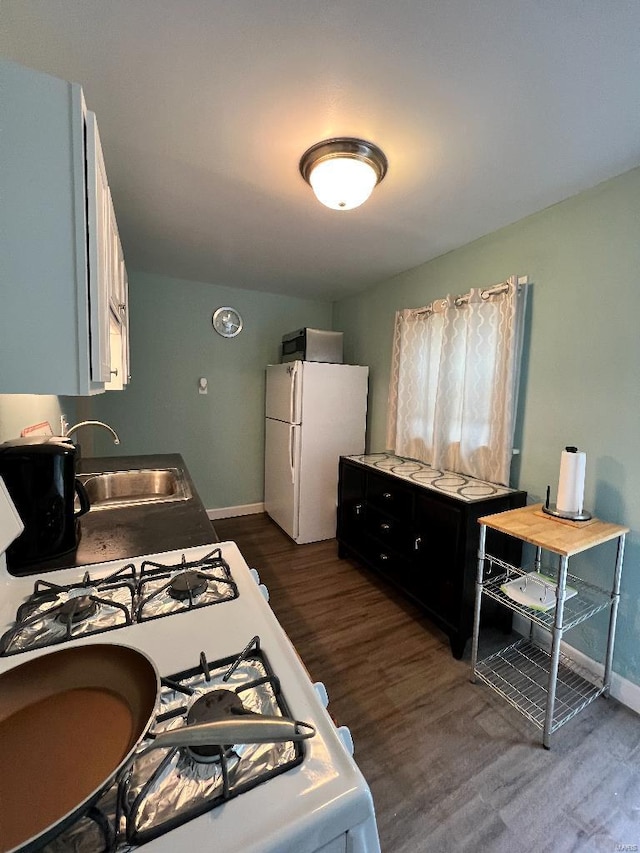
x,y
573,463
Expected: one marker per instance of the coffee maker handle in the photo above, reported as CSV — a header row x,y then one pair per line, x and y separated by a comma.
x,y
85,503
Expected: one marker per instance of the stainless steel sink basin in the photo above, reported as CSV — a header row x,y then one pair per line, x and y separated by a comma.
x,y
113,489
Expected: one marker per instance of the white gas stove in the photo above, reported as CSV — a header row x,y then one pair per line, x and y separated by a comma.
x,y
312,797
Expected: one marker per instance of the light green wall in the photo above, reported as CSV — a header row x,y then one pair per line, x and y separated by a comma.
x,y
220,435
580,385
18,411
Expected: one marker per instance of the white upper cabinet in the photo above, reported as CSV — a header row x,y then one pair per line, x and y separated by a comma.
x,y
63,287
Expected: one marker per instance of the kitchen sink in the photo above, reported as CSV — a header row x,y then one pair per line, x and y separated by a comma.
x,y
114,489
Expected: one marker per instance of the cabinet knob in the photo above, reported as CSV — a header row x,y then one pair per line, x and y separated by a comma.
x,y
357,509
114,372
122,307
385,526
387,496
384,557
417,543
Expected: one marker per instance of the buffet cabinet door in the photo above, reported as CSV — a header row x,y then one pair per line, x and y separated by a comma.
x,y
438,558
351,508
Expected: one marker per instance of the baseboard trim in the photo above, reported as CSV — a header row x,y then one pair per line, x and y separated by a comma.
x,y
625,691
231,511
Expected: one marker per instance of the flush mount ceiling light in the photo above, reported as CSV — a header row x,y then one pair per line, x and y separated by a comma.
x,y
343,172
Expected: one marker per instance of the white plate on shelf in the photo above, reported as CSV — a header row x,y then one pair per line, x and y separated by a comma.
x,y
535,590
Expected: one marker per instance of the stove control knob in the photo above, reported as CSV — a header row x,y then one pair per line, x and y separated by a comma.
x,y
265,592
321,691
345,737
254,574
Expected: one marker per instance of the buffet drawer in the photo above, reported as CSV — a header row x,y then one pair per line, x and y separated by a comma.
x,y
393,498
387,561
389,531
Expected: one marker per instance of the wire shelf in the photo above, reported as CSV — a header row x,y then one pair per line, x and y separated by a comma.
x,y
520,674
589,600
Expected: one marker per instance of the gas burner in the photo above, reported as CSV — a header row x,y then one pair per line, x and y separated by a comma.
x,y
187,585
54,613
167,787
170,588
77,609
215,705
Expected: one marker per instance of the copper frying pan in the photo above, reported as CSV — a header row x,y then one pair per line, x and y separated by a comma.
x,y
71,720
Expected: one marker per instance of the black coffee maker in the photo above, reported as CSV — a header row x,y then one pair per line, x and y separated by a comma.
x,y
40,476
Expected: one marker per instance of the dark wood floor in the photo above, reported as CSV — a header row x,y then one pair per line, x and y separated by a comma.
x,y
451,767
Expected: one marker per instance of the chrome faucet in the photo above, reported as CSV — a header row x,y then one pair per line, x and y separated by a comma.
x,y
72,429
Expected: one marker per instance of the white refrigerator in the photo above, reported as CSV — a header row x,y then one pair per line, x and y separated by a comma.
x,y
315,413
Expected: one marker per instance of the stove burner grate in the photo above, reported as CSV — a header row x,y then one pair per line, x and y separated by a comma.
x,y
170,588
158,795
54,612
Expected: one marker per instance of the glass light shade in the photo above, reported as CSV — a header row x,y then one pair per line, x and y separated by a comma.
x,y
343,183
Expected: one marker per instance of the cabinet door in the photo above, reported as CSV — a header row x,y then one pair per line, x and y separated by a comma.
x,y
351,506
107,275
117,280
126,363
118,315
99,215
438,558
116,353
54,240
44,317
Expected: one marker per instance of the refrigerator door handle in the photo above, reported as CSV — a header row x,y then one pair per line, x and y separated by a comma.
x,y
292,433
293,389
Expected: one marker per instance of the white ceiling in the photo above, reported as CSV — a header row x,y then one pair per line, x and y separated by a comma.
x,y
487,111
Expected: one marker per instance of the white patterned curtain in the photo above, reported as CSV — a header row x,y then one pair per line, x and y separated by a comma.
x,y
454,381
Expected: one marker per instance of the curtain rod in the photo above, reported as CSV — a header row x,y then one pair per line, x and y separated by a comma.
x,y
501,287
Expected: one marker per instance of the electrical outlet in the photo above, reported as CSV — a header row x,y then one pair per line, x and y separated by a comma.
x,y
203,385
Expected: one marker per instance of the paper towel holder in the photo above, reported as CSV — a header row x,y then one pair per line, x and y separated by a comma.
x,y
551,509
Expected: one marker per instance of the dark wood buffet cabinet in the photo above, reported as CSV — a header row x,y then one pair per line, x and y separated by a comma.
x,y
417,527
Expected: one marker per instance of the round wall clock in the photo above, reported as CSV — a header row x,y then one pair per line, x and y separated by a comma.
x,y
227,322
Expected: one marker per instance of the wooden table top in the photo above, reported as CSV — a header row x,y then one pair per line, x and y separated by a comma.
x,y
560,536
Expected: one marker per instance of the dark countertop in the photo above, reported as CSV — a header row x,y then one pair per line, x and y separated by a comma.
x,y
116,534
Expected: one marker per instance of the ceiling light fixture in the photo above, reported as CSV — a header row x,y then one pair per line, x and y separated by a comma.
x,y
343,172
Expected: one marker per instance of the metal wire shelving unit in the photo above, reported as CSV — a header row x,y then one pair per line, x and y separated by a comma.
x,y
590,599
546,687
520,674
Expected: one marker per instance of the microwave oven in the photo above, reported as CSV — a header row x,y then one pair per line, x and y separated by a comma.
x,y
312,345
